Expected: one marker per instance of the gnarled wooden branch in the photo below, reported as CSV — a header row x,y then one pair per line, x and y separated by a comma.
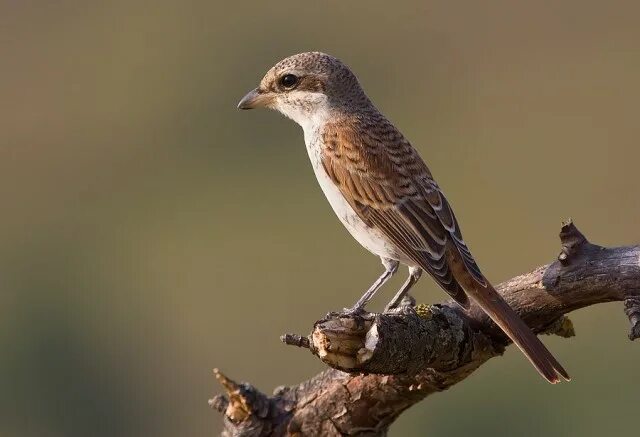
x,y
381,364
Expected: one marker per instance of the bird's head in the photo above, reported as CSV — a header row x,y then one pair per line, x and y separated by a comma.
x,y
307,88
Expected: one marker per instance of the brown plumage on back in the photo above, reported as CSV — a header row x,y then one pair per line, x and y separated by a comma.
x,y
383,191
390,187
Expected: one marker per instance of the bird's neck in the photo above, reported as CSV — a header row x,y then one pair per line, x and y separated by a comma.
x,y
315,123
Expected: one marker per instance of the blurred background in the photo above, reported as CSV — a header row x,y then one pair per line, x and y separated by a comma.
x,y
149,231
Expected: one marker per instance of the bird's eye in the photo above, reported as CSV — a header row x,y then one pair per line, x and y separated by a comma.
x,y
289,81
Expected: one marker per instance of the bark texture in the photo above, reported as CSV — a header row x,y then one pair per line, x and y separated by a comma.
x,y
381,364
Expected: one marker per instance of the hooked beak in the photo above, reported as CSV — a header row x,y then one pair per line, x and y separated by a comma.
x,y
255,99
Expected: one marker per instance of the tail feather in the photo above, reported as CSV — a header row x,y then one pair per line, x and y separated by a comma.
x,y
459,295
501,313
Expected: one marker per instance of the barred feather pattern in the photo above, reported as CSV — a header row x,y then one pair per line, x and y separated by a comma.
x,y
383,192
390,187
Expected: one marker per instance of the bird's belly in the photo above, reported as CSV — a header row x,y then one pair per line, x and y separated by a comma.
x,y
372,239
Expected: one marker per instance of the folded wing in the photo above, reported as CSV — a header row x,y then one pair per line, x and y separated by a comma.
x,y
389,186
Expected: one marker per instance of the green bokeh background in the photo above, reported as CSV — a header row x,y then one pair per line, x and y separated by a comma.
x,y
149,231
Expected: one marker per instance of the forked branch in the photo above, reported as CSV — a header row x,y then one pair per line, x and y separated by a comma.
x,y
381,364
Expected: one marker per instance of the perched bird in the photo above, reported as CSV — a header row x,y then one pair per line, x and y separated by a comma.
x,y
383,192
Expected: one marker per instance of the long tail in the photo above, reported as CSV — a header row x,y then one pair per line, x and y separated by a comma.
x,y
501,313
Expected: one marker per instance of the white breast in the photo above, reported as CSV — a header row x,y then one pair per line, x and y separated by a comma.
x,y
372,239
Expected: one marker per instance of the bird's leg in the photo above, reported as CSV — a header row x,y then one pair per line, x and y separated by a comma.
x,y
390,267
414,275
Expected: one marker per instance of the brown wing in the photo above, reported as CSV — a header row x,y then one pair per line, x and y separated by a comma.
x,y
389,186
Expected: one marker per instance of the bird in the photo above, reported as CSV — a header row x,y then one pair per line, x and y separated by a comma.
x,y
383,192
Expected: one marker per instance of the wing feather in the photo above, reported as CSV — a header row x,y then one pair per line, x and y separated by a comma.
x,y
388,185
403,202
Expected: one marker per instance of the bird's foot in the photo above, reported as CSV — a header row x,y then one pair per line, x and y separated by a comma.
x,y
389,308
353,311
399,305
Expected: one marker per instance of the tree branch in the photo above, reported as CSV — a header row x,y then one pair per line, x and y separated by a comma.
x,y
381,364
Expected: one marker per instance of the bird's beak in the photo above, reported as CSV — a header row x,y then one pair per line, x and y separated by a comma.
x,y
255,99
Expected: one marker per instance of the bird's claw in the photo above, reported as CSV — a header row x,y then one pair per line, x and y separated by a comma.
x,y
353,311
347,312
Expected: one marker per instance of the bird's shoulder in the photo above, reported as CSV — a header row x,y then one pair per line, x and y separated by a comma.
x,y
369,155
